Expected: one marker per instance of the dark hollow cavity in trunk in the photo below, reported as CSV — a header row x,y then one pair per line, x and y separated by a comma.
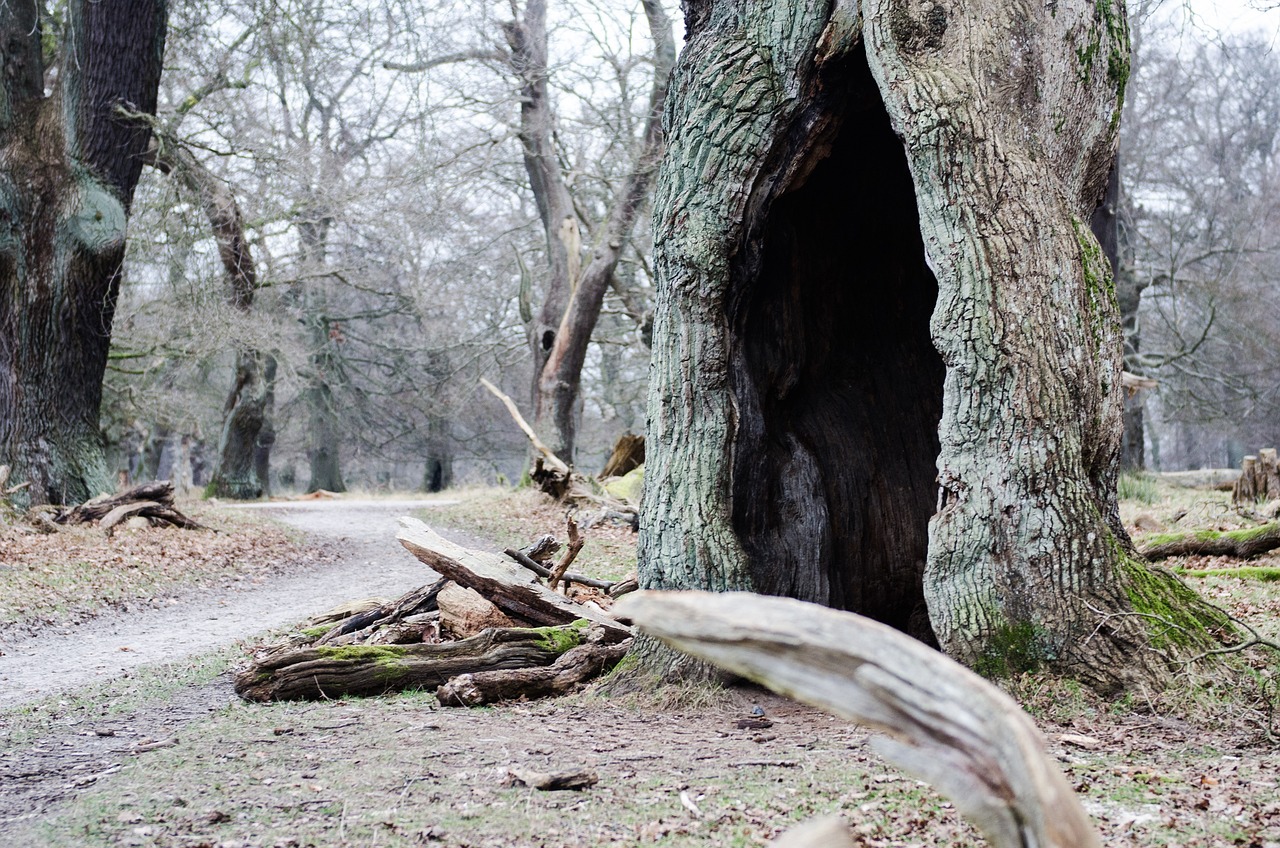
x,y
837,381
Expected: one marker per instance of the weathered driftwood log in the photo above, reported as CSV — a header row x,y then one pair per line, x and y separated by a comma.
x,y
573,668
1259,479
511,588
1234,543
332,672
150,500
945,724
628,453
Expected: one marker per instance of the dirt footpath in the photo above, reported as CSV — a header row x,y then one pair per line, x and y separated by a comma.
x,y
369,562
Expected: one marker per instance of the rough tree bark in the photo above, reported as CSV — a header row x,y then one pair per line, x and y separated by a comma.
x,y
886,348
69,164
574,294
245,412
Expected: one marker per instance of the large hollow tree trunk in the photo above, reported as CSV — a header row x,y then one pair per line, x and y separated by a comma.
x,y
69,164
886,354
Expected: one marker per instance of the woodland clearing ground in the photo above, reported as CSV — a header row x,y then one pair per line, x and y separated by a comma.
x,y
399,770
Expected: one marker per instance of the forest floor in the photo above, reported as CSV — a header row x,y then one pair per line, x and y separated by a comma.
x,y
119,725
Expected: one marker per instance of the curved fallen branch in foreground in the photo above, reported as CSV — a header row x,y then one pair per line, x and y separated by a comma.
x,y
1243,544
945,724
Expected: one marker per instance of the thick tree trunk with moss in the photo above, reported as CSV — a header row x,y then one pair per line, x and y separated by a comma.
x,y
887,355
68,167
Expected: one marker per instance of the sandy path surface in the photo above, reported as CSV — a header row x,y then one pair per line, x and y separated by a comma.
x,y
370,562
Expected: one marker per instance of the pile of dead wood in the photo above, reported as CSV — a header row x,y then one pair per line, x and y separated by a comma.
x,y
146,505
488,630
613,496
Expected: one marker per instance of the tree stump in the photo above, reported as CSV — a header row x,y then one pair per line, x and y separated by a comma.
x,y
1259,479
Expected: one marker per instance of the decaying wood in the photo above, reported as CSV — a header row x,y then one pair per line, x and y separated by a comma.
x,y
628,453
613,589
1233,543
551,781
945,724
575,546
153,501
541,549
511,588
332,672
372,613
1259,479
1222,479
560,678
465,612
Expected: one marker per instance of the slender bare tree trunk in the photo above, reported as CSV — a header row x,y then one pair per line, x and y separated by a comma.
x,y
69,164
235,474
886,348
574,291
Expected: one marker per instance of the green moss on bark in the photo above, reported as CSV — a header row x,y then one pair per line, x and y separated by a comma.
x,y
1014,648
1178,618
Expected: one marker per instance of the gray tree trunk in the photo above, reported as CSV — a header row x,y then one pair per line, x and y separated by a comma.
x,y
574,289
235,474
886,347
69,164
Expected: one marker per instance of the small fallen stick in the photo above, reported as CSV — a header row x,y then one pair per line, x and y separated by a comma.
x,y
575,544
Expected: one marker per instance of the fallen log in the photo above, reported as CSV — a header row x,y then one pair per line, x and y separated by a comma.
x,y
465,612
560,678
153,501
945,724
512,589
333,672
1233,543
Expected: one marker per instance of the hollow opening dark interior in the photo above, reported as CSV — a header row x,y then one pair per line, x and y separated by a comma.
x,y
838,384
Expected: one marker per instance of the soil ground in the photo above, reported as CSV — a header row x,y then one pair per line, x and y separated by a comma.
x,y
111,747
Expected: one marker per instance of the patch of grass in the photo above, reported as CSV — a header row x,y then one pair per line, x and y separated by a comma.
x,y
127,694
1138,487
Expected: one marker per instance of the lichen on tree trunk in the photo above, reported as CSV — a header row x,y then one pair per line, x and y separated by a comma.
x,y
872,258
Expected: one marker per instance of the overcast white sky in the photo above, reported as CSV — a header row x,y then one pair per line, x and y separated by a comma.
x,y
1233,15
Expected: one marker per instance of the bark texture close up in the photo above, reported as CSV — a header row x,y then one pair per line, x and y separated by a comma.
x,y
69,164
886,349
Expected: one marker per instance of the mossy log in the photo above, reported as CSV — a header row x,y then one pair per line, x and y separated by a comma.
x,y
945,724
1233,543
560,678
511,588
332,672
